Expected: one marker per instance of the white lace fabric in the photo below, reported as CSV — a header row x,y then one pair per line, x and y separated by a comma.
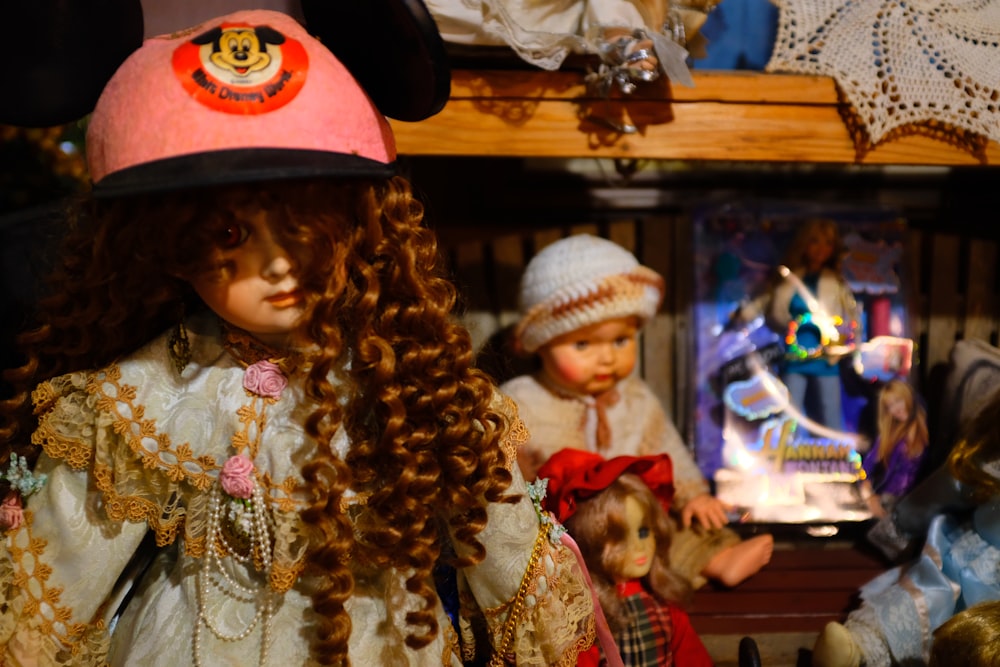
x,y
905,66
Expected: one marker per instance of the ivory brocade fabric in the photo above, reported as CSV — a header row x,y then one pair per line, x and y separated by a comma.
x,y
135,448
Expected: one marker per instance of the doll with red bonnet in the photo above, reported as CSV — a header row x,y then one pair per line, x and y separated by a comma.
x,y
616,510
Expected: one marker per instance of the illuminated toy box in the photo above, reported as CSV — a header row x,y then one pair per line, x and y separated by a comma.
x,y
773,454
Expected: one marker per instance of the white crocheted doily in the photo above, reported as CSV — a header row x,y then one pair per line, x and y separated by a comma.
x,y
900,63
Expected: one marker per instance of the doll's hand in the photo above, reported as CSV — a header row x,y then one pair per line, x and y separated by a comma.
x,y
707,509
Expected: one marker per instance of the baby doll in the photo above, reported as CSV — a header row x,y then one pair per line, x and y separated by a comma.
x,y
616,510
892,463
247,429
958,567
812,305
583,302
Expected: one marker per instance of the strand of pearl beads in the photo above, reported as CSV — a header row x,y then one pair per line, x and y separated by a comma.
x,y
261,595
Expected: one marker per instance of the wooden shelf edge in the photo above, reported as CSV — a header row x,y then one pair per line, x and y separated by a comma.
x,y
732,116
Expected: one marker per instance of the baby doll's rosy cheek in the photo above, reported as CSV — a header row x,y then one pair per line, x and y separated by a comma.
x,y
567,368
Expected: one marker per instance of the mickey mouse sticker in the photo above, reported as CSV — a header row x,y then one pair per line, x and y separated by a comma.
x,y
241,69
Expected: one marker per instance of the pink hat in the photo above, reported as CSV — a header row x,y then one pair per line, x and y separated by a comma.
x,y
247,96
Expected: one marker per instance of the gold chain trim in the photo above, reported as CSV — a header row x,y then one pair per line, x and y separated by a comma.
x,y
516,605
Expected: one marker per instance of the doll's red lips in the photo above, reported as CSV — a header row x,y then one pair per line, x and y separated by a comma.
x,y
285,299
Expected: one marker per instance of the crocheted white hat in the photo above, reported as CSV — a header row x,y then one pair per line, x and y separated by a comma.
x,y
582,280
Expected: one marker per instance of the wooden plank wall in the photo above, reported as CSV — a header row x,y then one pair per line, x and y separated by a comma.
x,y
955,284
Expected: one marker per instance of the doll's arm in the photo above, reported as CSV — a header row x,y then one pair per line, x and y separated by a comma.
x,y
59,572
530,588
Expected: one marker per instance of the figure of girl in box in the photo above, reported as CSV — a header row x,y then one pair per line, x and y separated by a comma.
x,y
812,305
892,463
955,512
274,476
583,301
616,510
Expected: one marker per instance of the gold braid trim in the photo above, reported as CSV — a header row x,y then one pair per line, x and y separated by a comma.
x,y
516,434
515,607
53,619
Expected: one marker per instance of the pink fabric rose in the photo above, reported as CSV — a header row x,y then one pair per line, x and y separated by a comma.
x,y
237,476
264,378
11,513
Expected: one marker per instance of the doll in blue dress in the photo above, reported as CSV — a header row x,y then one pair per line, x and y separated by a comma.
x,y
957,508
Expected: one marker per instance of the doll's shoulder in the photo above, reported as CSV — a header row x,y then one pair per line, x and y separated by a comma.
x,y
523,387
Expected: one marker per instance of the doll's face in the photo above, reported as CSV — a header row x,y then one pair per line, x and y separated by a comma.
x,y
818,251
250,284
640,544
895,407
592,360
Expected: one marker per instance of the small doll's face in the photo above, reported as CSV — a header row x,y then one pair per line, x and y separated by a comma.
x,y
250,282
640,544
593,359
819,250
895,407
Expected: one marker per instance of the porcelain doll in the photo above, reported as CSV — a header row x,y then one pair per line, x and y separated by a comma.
x,y
892,463
583,302
813,307
247,429
958,567
616,510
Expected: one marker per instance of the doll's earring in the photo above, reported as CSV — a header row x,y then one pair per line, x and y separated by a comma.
x,y
180,346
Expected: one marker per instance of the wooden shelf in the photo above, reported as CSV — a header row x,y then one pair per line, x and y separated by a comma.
x,y
726,116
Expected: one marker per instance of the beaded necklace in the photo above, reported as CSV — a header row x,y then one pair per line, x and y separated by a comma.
x,y
237,507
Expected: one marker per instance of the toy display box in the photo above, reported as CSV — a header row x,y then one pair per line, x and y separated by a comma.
x,y
772,462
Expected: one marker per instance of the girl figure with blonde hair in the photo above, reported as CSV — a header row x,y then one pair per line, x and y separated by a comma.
x,y
616,510
892,463
248,429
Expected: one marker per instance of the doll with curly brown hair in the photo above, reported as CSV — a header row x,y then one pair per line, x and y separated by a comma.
x,y
616,510
248,429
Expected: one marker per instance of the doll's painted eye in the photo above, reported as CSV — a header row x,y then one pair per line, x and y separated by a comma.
x,y
643,532
622,341
233,235
581,345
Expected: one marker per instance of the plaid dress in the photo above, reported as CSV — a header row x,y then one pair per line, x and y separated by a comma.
x,y
659,635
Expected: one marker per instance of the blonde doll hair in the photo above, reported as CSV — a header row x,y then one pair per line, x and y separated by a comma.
x,y
975,458
913,430
794,256
970,638
599,527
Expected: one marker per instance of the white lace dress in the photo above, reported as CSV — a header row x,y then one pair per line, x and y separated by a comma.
x,y
134,450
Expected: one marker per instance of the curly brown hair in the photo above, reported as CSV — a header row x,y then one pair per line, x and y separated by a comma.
x,y
599,527
378,319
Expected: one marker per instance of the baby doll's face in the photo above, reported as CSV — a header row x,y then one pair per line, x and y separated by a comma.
x,y
593,359
250,284
640,545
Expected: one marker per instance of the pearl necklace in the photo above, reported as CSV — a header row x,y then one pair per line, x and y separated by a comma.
x,y
212,574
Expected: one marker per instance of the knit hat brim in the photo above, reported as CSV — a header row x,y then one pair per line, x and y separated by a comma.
x,y
637,292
